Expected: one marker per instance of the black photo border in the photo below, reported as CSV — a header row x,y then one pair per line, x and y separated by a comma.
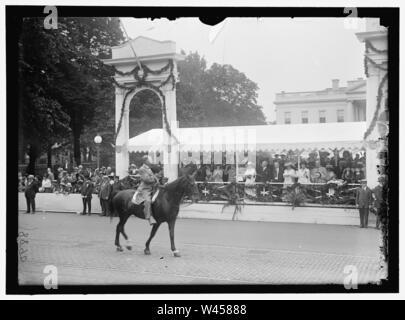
x,y
389,17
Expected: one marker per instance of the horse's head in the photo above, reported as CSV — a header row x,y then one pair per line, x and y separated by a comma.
x,y
190,187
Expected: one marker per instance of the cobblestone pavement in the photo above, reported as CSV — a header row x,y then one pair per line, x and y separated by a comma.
x,y
213,252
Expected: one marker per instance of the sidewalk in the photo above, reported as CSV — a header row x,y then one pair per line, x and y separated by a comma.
x,y
336,216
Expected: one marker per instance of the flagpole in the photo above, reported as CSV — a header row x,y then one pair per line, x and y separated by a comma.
x,y
130,44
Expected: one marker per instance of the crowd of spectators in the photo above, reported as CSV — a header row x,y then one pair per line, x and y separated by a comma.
x,y
62,181
316,168
87,182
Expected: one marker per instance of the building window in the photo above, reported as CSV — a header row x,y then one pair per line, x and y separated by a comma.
x,y
287,117
340,116
304,116
322,116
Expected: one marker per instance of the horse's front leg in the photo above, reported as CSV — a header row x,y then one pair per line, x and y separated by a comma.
x,y
152,234
117,237
176,253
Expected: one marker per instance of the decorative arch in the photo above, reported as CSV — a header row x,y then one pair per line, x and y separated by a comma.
x,y
154,68
133,113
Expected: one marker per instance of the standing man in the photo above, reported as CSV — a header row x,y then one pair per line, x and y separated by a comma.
x,y
378,200
104,195
363,202
116,187
264,173
145,189
31,190
87,194
277,175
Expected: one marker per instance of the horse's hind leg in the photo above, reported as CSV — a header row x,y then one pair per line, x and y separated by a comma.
x,y
117,236
152,234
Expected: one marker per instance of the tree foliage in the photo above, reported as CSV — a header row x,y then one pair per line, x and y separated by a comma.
x,y
218,96
67,95
63,79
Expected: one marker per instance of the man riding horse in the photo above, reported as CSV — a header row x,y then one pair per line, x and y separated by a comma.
x,y
145,189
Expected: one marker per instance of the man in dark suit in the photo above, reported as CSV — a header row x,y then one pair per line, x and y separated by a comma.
x,y
104,195
87,194
363,201
30,191
264,173
277,176
116,187
378,200
277,173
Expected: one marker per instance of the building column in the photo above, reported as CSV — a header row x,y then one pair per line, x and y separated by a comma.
x,y
377,36
171,148
350,112
121,148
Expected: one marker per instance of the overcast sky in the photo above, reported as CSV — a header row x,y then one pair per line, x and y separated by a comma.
x,y
279,54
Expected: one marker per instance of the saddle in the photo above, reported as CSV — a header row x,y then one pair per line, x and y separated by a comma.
x,y
136,201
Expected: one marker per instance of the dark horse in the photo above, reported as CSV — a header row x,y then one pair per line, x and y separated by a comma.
x,y
165,209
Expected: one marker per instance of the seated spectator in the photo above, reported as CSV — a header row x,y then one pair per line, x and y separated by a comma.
x,y
342,166
65,184
200,175
303,174
46,185
330,174
60,174
347,175
358,175
250,178
218,174
318,173
289,174
208,173
231,173
50,174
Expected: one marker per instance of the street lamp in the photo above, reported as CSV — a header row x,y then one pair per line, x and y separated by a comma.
x,y
97,141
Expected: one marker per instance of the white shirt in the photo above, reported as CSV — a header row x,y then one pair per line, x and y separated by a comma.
x,y
289,175
303,176
250,175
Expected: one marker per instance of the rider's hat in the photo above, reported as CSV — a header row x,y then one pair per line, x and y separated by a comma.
x,y
111,175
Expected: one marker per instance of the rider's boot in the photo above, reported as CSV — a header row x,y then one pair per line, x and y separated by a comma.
x,y
148,212
152,220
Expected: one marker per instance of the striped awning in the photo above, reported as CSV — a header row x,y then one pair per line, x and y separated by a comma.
x,y
274,138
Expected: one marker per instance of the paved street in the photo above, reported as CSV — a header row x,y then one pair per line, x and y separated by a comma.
x,y
213,252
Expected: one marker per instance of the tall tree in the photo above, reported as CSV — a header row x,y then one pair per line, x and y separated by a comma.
x,y
218,96
62,75
232,97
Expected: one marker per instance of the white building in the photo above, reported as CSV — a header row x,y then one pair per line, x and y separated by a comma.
x,y
335,104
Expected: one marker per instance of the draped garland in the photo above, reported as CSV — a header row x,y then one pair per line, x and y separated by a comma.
x,y
378,107
367,59
140,74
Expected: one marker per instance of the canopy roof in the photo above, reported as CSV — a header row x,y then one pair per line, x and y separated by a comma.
x,y
274,138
